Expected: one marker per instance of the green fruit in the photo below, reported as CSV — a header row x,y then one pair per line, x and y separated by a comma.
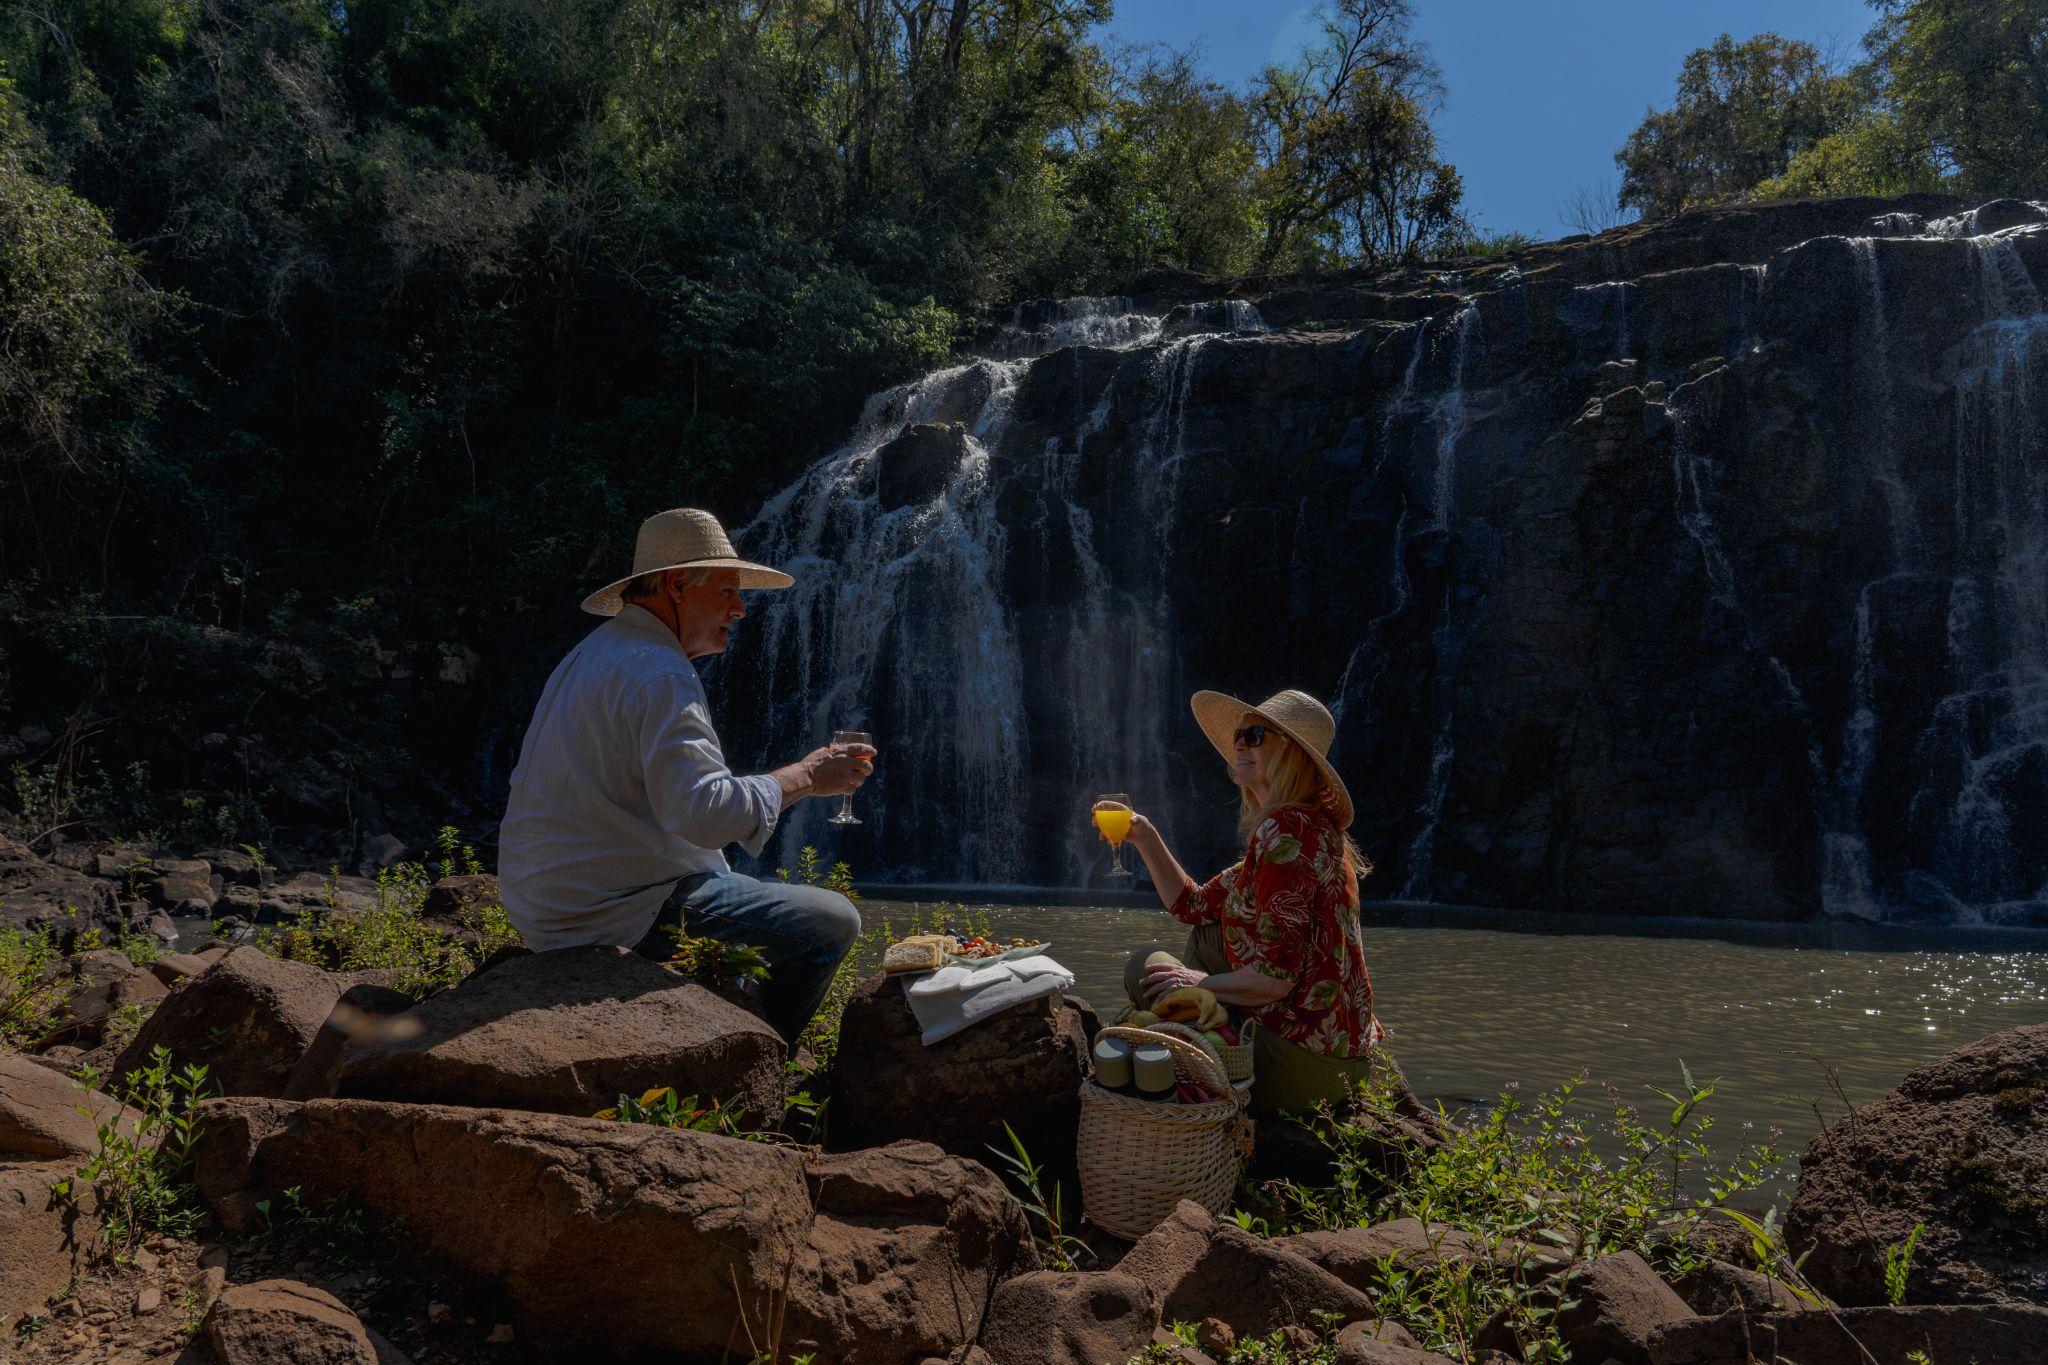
x,y
1214,1039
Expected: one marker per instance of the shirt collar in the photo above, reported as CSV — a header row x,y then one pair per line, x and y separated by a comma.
x,y
641,621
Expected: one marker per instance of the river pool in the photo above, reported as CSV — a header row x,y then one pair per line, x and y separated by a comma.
x,y
1477,999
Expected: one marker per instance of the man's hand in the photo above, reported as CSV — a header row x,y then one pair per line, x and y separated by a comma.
x,y
830,771
1170,977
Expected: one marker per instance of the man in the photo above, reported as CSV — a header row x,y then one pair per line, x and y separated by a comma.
x,y
622,802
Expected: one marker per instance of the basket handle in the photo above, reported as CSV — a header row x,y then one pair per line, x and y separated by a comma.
x,y
1192,1035
1207,1066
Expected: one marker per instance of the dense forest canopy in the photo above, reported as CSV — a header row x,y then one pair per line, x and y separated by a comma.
x,y
326,324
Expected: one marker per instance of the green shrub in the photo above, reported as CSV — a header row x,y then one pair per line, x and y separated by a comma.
x,y
141,1174
29,1000
661,1107
1531,1173
392,934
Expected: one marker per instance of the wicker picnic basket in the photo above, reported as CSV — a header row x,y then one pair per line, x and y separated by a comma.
x,y
1236,1058
1139,1158
1236,1061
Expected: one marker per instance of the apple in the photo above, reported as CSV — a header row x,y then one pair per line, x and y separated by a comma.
x,y
1215,1040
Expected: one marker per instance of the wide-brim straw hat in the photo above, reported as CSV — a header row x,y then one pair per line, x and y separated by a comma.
x,y
683,538
1294,714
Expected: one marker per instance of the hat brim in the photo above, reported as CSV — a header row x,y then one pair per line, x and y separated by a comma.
x,y
607,601
1217,713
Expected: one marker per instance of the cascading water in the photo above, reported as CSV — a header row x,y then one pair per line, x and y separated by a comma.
x,y
1979,763
1987,746
1447,420
907,618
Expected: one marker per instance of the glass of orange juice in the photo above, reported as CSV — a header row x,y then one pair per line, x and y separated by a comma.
x,y
1115,825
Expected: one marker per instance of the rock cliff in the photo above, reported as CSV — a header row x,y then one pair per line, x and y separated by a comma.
x,y
1696,569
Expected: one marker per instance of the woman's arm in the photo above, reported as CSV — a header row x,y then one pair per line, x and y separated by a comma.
x,y
1169,878
1244,987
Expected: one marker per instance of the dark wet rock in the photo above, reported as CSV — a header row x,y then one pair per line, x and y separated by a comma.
x,y
182,886
1715,1287
1959,1149
919,463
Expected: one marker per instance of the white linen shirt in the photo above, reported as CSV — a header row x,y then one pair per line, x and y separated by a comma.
x,y
620,792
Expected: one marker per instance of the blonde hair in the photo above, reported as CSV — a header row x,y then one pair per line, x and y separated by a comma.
x,y
1292,779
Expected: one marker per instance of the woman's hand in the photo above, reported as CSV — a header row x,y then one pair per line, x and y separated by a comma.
x,y
1169,976
1139,824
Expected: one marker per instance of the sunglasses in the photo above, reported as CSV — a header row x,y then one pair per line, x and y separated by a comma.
x,y
1251,736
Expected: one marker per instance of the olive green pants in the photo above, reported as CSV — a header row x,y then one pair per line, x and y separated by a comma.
x,y
1286,1077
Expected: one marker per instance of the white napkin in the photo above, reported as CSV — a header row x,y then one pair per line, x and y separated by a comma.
x,y
953,997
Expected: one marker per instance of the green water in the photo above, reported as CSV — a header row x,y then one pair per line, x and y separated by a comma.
x,y
1475,1002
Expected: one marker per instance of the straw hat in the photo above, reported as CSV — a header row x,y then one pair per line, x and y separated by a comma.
x,y
1296,715
682,538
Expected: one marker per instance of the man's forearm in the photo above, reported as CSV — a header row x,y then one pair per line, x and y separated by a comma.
x,y
796,782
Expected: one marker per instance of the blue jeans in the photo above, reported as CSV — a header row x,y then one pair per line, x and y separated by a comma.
x,y
802,931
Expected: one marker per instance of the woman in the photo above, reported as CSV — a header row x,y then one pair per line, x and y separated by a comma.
x,y
1276,934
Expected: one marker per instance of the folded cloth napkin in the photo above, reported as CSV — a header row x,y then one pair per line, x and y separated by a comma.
x,y
956,996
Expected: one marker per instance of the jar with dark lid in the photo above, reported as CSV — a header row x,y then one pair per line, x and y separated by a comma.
x,y
1152,1071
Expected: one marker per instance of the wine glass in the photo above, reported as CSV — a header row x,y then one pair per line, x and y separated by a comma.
x,y
846,815
1115,825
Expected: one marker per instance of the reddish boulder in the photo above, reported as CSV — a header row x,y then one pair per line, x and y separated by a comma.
x,y
45,1238
1972,1334
1383,1343
1959,1149
247,1019
568,1032
286,1323
1259,1287
1071,1318
1717,1287
887,1254
44,1113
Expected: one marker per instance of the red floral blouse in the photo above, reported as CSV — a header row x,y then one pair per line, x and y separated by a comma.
x,y
1286,912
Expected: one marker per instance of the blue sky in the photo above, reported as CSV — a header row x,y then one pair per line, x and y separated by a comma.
x,y
1541,94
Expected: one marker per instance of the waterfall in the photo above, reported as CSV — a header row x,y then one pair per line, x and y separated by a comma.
x,y
1987,743
1448,419
989,697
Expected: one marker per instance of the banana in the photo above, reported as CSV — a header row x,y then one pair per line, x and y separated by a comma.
x,y
1188,1005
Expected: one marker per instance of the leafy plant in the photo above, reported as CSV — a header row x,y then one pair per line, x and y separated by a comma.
x,y
811,871
663,1108
30,999
1531,1173
340,1227
392,932
141,1168
714,962
1768,1249
1058,1248
1898,1265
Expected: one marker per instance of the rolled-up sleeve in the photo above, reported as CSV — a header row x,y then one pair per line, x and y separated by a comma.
x,y
693,794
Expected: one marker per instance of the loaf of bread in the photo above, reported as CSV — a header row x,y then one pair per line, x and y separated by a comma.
x,y
918,953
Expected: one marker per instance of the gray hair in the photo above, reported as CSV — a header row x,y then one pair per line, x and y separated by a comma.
x,y
648,585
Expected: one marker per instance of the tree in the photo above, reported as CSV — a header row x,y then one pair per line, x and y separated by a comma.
x,y
1594,209
1350,170
1967,84
1742,113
